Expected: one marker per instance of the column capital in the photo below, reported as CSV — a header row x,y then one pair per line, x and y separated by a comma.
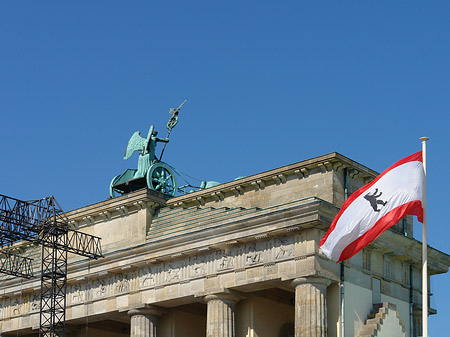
x,y
316,280
148,310
222,297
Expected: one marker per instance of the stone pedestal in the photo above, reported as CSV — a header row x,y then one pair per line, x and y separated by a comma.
x,y
144,322
311,306
220,321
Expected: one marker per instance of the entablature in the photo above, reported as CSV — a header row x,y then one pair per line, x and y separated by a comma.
x,y
301,170
408,250
115,208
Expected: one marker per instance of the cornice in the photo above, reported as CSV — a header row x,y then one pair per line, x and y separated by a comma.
x,y
115,207
146,198
326,163
409,250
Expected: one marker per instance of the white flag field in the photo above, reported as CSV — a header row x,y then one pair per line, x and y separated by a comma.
x,y
375,207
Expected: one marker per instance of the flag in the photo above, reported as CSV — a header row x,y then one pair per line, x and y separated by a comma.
x,y
375,207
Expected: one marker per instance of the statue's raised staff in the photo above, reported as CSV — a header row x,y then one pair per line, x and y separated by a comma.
x,y
151,171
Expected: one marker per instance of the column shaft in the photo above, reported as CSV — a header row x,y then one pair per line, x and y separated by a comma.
x,y
143,322
311,307
220,320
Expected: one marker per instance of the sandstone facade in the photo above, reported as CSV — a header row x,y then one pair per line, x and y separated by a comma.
x,y
238,259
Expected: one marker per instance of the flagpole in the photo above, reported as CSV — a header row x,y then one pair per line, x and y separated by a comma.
x,y
424,243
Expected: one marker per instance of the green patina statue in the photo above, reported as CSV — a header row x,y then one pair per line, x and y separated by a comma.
x,y
147,146
151,171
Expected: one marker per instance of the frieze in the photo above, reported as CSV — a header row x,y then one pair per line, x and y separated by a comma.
x,y
147,277
208,263
284,247
35,300
101,288
122,283
199,265
225,260
78,293
16,307
173,271
253,254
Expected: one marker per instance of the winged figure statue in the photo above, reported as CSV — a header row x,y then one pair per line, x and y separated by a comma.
x,y
147,147
151,171
135,143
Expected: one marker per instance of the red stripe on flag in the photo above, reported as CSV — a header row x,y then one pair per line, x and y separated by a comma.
x,y
414,157
390,219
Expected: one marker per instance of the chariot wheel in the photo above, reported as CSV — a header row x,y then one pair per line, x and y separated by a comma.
x,y
161,178
112,191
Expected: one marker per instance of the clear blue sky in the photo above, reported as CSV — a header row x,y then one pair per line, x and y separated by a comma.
x,y
269,83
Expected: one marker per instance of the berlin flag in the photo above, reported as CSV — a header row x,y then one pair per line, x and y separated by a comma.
x,y
375,207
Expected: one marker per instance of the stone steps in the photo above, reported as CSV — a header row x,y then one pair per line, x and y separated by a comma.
x,y
194,220
168,212
174,217
211,217
376,319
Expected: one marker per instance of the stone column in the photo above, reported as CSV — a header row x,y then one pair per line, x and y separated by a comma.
x,y
311,306
144,322
220,320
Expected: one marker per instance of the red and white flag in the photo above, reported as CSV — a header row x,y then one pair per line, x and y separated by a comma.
x,y
375,207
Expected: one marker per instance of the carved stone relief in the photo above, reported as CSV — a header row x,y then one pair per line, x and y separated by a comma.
x,y
78,294
253,254
173,270
284,247
16,307
199,265
101,288
225,260
122,283
146,277
35,302
236,256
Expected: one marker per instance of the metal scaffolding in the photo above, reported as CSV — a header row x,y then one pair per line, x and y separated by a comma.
x,y
15,265
43,222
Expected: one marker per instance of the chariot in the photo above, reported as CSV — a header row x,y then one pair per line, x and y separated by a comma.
x,y
159,177
151,172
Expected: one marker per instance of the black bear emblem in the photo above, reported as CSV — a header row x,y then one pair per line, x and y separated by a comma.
x,y
372,198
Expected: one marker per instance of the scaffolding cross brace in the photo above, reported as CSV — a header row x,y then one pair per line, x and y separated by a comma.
x,y
43,222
